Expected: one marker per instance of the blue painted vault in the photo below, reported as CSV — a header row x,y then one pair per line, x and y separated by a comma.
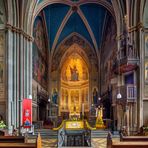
x,y
88,20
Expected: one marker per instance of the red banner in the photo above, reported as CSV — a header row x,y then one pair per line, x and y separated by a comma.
x,y
27,112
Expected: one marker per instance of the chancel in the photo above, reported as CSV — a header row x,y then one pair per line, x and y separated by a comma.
x,y
74,73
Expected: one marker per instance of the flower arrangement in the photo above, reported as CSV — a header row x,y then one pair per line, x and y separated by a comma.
x,y
145,128
2,124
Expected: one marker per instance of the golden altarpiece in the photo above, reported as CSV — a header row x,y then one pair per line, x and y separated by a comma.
x,y
74,86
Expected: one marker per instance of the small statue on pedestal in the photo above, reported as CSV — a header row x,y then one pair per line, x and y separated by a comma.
x,y
99,120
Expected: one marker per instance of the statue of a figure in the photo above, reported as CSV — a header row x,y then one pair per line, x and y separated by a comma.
x,y
74,73
95,96
54,96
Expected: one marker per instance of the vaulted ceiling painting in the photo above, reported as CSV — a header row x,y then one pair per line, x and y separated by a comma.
x,y
86,18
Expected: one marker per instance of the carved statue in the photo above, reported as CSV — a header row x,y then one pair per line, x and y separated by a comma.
x,y
95,96
54,96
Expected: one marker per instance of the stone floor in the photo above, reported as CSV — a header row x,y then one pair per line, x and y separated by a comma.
x,y
51,143
101,142
46,143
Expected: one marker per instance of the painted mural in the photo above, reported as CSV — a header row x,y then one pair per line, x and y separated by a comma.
x,y
1,71
146,71
108,55
66,44
40,53
2,59
2,12
74,84
146,67
74,69
1,44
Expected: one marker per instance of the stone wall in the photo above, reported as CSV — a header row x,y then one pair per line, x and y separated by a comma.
x,y
2,62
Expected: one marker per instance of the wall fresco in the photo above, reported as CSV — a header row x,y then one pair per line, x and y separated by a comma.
x,y
75,39
2,41
146,67
108,54
2,13
40,53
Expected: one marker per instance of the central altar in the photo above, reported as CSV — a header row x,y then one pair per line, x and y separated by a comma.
x,y
74,125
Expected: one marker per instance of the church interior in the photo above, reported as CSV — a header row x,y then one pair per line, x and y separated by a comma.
x,y
74,73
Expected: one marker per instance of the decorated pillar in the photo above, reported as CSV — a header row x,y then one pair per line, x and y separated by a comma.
x,y
19,72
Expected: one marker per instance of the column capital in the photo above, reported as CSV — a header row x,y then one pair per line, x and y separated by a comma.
x,y
20,31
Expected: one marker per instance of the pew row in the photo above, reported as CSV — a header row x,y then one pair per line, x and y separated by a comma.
x,y
19,142
129,145
12,139
125,144
18,145
133,138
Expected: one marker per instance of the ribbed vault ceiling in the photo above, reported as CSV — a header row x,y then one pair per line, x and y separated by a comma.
x,y
87,18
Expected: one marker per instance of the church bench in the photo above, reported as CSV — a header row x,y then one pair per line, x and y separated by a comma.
x,y
12,139
125,144
2,133
129,144
133,138
18,145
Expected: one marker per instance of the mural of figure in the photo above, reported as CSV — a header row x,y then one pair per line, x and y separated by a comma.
x,y
1,45
55,96
146,75
74,73
1,14
95,96
1,72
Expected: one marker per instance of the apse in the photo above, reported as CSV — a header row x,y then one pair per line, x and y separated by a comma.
x,y
74,83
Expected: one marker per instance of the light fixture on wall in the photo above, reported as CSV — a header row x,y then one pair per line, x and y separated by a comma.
x,y
119,96
49,99
30,97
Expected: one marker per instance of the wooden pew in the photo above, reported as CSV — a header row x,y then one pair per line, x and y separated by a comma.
x,y
125,144
129,145
18,145
12,139
133,138
2,133
19,142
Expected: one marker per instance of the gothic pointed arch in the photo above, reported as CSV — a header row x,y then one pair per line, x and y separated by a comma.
x,y
66,43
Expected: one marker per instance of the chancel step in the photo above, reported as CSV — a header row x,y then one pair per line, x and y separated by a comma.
x,y
45,133
102,134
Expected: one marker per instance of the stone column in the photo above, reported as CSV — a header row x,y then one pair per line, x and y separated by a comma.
x,y
141,92
10,78
19,73
24,73
30,68
21,96
17,78
14,100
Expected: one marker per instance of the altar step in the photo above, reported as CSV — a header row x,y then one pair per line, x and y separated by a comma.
x,y
103,134
45,133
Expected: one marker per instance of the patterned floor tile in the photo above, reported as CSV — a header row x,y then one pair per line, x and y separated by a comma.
x,y
51,143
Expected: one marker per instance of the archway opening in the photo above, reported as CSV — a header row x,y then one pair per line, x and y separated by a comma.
x,y
74,86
